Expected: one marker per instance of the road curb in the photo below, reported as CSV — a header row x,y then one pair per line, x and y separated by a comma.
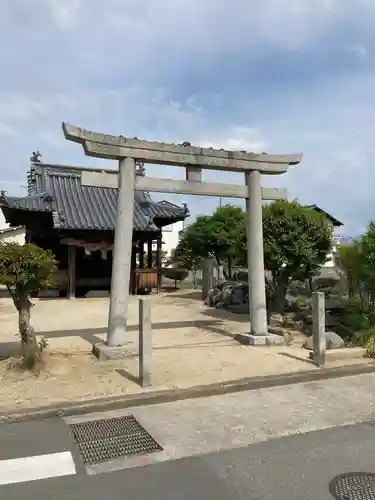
x,y
170,395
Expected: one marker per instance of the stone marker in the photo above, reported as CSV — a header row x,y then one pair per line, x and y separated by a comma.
x,y
207,277
145,342
318,328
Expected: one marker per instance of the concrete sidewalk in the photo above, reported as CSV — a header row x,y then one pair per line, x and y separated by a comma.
x,y
206,425
298,467
239,434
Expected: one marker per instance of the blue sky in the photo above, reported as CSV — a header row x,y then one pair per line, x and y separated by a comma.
x,y
280,76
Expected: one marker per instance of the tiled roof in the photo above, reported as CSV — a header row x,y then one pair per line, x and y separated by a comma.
x,y
334,221
57,189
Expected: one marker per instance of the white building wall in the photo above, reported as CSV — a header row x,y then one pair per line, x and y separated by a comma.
x,y
170,237
13,235
330,262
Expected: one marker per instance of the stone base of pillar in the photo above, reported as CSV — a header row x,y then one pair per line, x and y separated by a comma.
x,y
260,340
105,352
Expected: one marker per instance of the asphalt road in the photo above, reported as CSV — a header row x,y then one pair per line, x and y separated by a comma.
x,y
295,467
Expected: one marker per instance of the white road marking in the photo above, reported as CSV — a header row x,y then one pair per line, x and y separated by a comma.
x,y
20,470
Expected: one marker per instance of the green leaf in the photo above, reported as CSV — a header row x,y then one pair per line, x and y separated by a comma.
x,y
26,268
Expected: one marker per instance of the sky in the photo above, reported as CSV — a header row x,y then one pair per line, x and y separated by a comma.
x,y
275,76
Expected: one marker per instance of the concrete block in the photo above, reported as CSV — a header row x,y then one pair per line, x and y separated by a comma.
x,y
194,174
318,328
105,352
260,340
273,339
145,343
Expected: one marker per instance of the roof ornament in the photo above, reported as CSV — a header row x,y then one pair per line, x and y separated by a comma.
x,y
139,168
186,144
35,157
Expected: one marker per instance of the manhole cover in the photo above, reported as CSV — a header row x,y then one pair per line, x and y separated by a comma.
x,y
353,486
102,440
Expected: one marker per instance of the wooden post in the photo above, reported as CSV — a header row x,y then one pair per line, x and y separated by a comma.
x,y
145,343
71,272
133,266
319,328
149,253
141,254
158,261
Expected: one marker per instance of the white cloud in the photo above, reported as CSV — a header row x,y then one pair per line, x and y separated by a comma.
x,y
359,51
65,14
138,67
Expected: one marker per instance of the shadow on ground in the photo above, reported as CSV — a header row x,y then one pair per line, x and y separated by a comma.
x,y
180,294
90,335
224,314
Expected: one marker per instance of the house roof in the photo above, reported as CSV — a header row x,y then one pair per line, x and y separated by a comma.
x,y
7,230
334,221
57,189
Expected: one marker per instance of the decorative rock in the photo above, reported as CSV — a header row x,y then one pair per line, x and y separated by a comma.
x,y
241,275
228,294
333,341
240,294
276,319
239,308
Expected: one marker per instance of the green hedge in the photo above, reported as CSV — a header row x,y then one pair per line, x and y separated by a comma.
x,y
175,273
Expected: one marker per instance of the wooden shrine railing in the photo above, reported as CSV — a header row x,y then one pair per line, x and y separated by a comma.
x,y
145,280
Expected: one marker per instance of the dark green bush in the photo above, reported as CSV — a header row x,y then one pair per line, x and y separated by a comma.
x,y
353,317
175,273
300,306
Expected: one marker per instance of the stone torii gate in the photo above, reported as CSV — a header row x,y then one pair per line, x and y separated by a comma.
x,y
194,159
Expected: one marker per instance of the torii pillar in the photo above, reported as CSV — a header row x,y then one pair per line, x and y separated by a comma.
x,y
193,159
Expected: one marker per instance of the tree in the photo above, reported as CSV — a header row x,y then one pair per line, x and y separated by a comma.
x,y
218,235
296,242
357,260
351,263
183,257
24,269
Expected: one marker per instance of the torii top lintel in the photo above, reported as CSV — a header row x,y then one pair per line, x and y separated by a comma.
x,y
118,147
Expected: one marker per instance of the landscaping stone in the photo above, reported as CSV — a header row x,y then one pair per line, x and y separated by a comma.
x,y
241,275
276,319
239,308
228,294
240,294
333,341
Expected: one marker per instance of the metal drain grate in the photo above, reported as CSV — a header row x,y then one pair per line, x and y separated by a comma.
x,y
353,486
102,440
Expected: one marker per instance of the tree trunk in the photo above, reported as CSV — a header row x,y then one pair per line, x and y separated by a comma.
x,y
311,285
277,295
28,340
229,267
280,299
194,271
